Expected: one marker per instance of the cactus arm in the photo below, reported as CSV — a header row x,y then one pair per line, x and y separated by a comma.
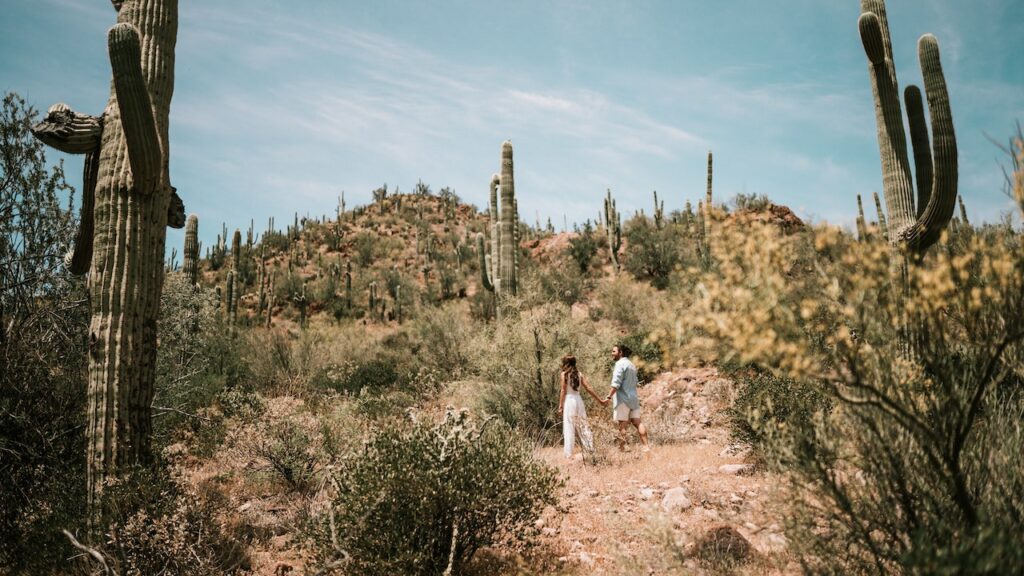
x,y
137,120
175,211
892,142
862,227
80,257
920,143
69,131
936,216
485,264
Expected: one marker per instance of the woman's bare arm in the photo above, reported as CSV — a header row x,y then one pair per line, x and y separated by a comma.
x,y
590,390
561,396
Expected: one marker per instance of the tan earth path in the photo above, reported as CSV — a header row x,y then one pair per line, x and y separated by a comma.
x,y
646,513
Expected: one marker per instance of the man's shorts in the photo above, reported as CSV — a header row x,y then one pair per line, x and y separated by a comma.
x,y
622,413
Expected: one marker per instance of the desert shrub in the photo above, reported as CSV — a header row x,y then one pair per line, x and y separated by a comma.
x,y
276,242
583,247
43,356
193,364
366,251
559,282
751,202
652,253
158,525
915,466
766,397
521,388
425,497
440,337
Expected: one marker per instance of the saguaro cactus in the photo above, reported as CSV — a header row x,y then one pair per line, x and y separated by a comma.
x,y
613,230
236,249
191,263
499,271
128,186
881,217
862,223
659,212
914,230
509,219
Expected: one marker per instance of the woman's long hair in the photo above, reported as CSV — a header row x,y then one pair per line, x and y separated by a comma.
x,y
572,374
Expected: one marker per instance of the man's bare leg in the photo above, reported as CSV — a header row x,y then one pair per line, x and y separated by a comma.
x,y
641,430
621,439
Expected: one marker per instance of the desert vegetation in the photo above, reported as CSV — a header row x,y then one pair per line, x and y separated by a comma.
x,y
376,390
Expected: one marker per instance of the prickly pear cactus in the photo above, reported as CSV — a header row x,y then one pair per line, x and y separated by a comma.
x,y
133,202
910,228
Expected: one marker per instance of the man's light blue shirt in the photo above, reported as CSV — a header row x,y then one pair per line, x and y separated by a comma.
x,y
624,380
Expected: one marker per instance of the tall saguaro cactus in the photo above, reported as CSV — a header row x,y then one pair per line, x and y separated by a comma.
x,y
499,271
191,255
910,228
133,202
509,219
613,230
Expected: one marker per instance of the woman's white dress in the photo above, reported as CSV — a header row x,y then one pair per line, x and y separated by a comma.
x,y
574,423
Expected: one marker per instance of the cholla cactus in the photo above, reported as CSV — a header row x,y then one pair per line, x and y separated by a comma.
x,y
613,230
127,183
191,254
914,230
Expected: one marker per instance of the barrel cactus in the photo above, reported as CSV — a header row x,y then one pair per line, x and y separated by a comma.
x,y
191,262
128,188
911,228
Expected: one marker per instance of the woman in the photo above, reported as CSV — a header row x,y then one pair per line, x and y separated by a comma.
x,y
570,406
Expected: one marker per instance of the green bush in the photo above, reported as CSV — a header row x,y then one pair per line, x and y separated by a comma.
x,y
764,398
583,247
652,253
425,497
43,325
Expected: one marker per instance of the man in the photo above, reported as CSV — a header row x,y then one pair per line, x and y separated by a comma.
x,y
626,408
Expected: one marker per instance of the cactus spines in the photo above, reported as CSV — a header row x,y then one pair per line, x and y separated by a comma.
x,y
881,216
914,230
132,201
191,253
508,222
613,230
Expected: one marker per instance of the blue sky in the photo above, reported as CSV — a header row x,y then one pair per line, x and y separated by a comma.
x,y
279,106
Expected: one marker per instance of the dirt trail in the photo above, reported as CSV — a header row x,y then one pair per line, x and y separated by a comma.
x,y
626,514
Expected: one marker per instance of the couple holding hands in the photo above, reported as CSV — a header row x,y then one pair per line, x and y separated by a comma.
x,y
622,396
